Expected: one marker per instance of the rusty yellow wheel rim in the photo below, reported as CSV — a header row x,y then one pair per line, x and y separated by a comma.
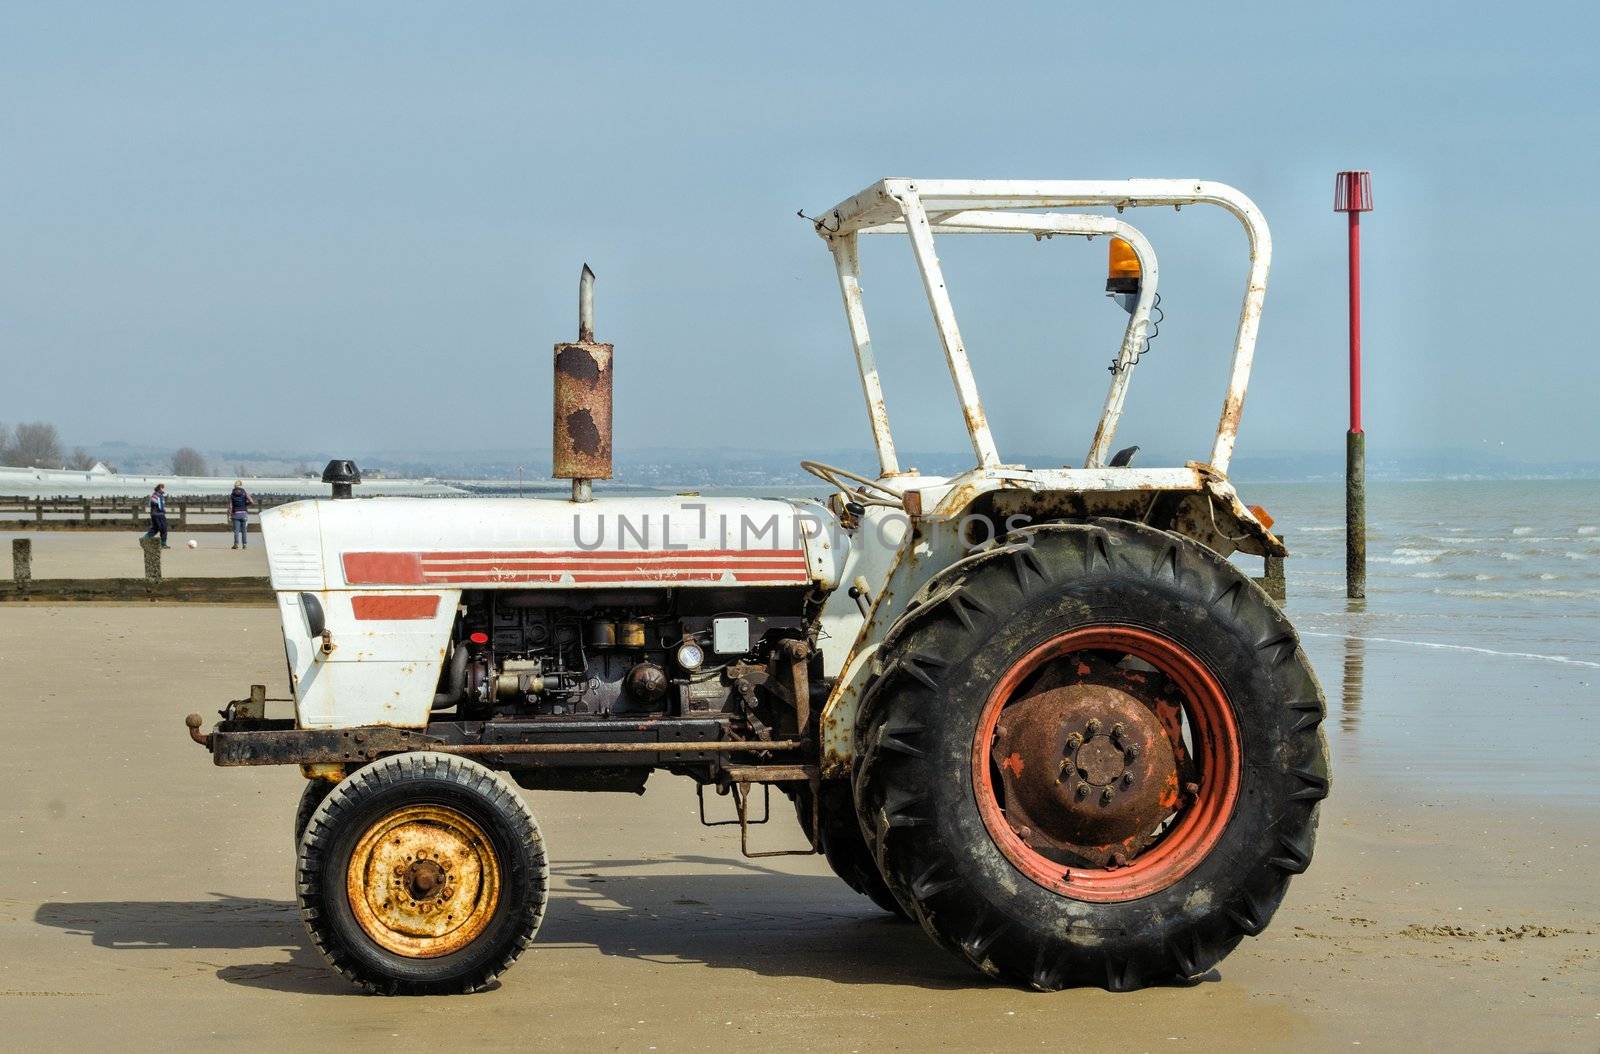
x,y
423,881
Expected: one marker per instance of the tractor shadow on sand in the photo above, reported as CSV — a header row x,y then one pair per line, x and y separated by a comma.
x,y
223,922
686,910
673,911
677,911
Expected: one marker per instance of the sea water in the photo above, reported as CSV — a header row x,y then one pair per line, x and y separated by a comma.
x,y
1473,666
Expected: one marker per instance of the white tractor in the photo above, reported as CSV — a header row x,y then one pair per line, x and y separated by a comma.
x,y
1037,711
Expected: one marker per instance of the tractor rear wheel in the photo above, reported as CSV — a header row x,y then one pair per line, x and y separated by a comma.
x,y
422,874
843,845
1091,756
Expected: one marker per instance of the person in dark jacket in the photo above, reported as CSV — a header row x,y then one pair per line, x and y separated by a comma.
x,y
158,514
239,502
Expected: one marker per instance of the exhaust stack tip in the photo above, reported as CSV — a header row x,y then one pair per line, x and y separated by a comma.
x,y
586,306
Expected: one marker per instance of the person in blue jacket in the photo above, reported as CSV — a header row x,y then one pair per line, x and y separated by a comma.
x,y
158,514
239,502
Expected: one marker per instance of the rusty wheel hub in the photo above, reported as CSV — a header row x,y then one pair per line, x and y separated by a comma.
x,y
423,881
425,878
1088,772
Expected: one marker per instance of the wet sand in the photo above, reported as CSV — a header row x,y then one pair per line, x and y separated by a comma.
x,y
145,895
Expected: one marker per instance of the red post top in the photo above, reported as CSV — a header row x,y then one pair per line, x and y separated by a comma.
x,y
1352,192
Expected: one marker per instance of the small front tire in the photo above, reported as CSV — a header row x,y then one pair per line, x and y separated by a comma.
x,y
422,874
310,797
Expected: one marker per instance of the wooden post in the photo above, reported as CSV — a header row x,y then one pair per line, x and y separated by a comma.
x,y
183,514
152,559
38,510
86,510
1355,514
22,562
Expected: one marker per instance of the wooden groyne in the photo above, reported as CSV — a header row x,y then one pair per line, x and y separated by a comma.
x,y
152,587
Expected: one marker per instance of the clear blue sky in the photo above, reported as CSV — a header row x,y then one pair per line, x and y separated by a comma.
x,y
346,227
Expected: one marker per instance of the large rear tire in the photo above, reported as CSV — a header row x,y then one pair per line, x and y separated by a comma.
x,y
1092,756
844,847
422,874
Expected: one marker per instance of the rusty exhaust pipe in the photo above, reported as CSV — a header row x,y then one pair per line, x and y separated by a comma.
x,y
582,443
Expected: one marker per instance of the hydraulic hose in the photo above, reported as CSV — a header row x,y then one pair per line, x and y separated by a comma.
x,y
456,679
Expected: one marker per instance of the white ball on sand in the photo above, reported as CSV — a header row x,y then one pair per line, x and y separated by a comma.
x,y
193,544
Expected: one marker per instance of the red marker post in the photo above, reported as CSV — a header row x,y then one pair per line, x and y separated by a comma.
x,y
1352,195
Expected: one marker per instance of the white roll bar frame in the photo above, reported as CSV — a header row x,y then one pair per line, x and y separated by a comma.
x,y
922,208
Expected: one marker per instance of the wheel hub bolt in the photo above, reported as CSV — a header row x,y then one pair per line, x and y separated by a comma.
x,y
1119,859
1117,734
1093,727
1074,741
1131,753
1127,779
1106,796
1081,792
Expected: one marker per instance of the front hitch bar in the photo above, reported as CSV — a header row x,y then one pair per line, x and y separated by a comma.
x,y
194,721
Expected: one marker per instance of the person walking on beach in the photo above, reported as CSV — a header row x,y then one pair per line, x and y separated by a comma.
x,y
239,502
158,514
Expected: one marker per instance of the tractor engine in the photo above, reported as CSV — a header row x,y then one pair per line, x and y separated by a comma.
x,y
629,654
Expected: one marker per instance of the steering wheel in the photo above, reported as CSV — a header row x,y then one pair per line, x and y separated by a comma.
x,y
865,492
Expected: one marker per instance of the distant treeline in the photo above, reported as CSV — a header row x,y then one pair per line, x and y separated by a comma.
x,y
37,444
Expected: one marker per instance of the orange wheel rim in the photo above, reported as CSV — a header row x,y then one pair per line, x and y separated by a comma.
x,y
423,881
1189,835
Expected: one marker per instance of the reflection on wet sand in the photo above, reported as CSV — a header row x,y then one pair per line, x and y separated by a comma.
x,y
1355,664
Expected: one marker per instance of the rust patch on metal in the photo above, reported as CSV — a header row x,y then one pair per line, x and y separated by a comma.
x,y
583,433
578,361
583,382
1100,771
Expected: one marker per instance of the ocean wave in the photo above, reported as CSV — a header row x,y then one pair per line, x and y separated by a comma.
x,y
1520,531
1576,556
1520,594
1566,660
1589,530
1511,556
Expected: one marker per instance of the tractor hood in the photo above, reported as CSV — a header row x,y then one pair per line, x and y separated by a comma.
x,y
486,543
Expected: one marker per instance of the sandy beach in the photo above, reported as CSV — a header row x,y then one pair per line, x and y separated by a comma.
x,y
146,895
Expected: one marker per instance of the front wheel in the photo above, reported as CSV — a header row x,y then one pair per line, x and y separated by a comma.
x,y
422,874
1092,757
311,796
